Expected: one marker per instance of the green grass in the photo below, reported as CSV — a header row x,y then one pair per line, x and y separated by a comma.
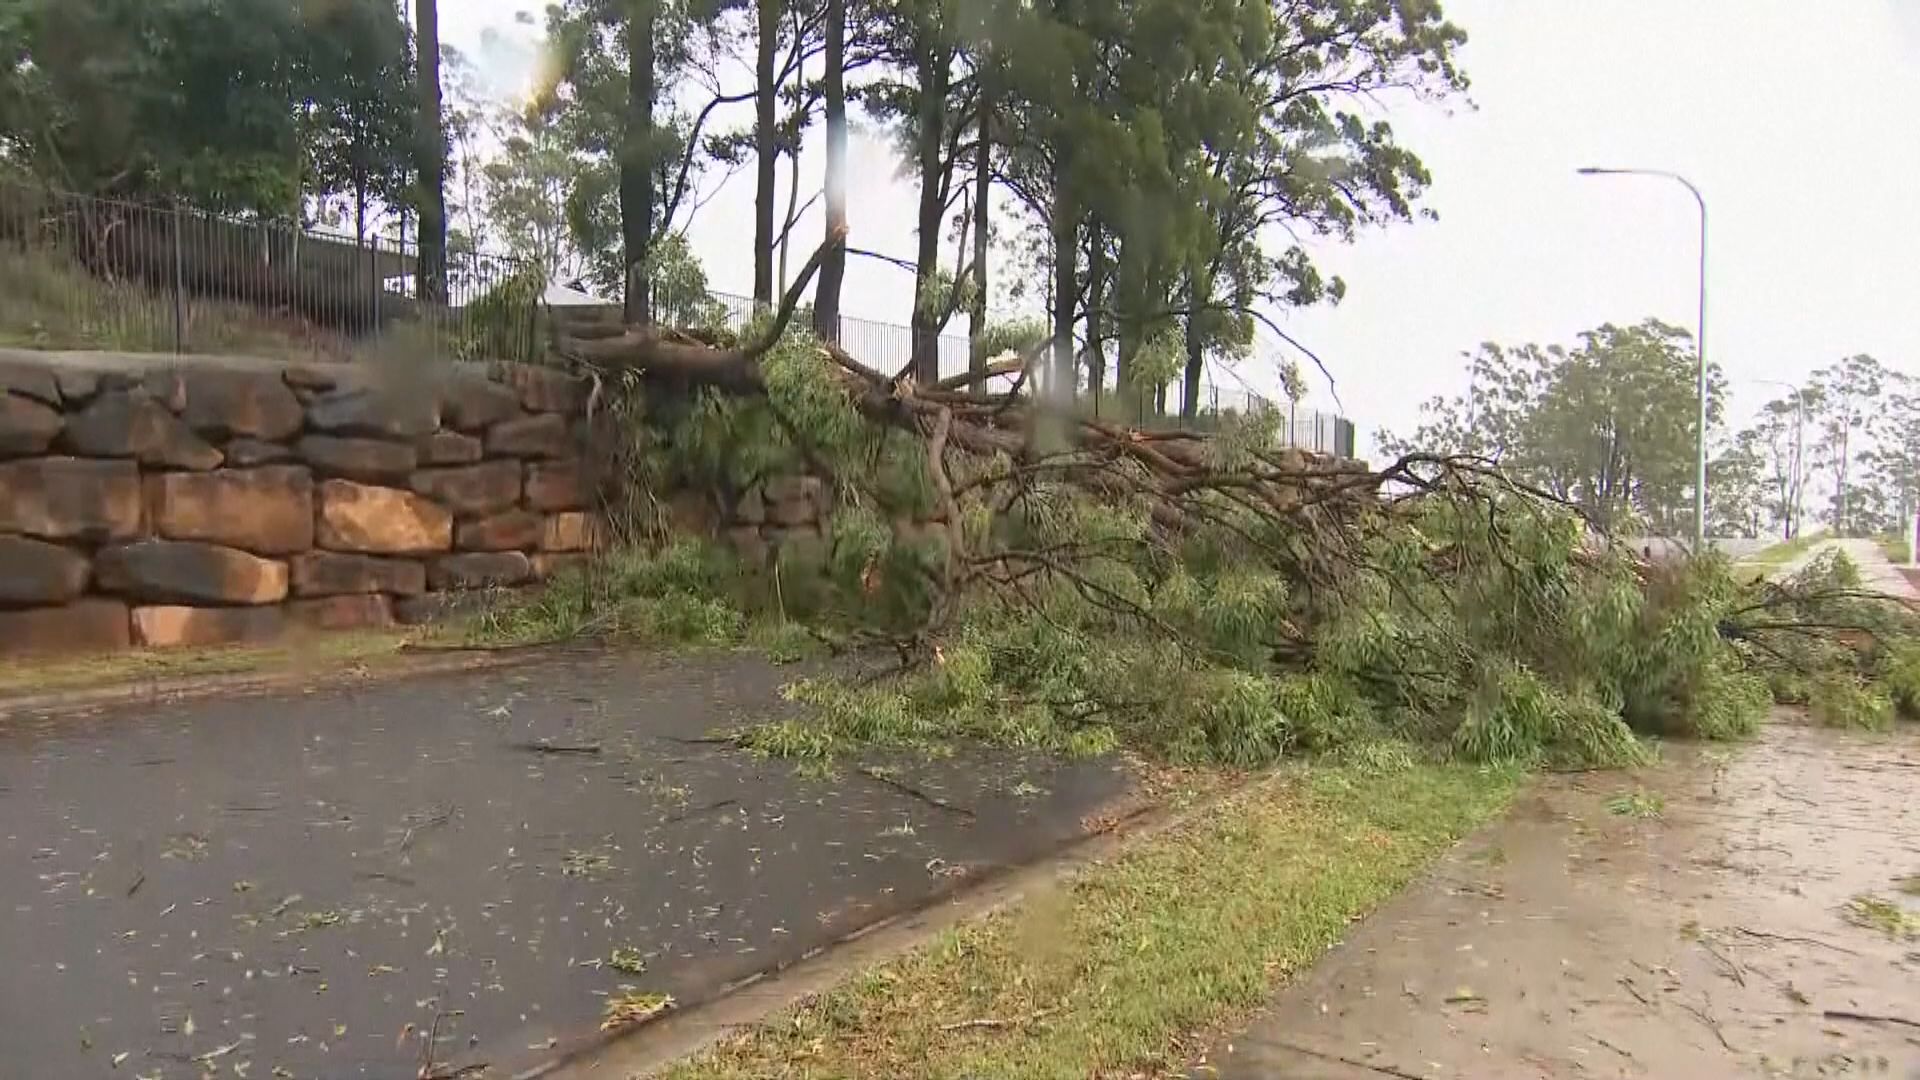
x,y
1895,548
1886,916
1637,804
1784,552
1112,974
301,654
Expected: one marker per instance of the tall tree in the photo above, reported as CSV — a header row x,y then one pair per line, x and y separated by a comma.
x,y
833,269
637,158
1608,425
431,175
1843,397
362,124
765,143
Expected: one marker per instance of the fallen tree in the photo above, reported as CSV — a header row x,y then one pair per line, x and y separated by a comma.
x,y
1078,582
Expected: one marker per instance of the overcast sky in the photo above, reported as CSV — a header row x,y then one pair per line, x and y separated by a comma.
x,y
1796,120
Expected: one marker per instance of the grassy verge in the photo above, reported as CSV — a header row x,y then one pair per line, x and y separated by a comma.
x,y
1781,554
312,654
1118,973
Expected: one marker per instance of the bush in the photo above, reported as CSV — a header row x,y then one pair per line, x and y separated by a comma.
x,y
1846,701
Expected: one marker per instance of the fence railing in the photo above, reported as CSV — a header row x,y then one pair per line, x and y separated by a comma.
x,y
888,347
90,273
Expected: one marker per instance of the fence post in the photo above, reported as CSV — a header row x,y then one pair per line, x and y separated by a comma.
x,y
179,287
373,278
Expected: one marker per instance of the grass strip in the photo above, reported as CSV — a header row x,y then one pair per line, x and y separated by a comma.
x,y
1125,970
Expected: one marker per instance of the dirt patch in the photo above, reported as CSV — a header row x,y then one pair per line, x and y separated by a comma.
x,y
1741,928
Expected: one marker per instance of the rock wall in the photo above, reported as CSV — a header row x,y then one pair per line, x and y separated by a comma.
x,y
154,501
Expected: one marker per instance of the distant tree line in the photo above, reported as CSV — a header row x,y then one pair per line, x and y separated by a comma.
x,y
1609,425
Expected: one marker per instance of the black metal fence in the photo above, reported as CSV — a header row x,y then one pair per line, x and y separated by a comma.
x,y
88,273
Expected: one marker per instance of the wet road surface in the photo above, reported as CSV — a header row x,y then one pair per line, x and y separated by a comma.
x,y
1737,933
314,885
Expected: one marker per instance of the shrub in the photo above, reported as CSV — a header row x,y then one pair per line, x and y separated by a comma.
x,y
1844,700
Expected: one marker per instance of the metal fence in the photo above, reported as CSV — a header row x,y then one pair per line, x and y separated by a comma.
x,y
88,273
888,347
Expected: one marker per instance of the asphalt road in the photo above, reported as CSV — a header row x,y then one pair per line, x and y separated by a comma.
x,y
323,884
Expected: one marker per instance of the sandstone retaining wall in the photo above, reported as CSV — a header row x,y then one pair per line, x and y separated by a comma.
x,y
155,501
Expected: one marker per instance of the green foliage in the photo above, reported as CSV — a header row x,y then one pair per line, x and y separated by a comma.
x,y
1608,425
244,105
1899,676
1843,700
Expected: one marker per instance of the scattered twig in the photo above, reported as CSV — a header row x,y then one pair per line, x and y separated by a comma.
x,y
1711,1024
698,810
1732,970
1764,935
1612,1047
1635,991
1352,1063
924,796
704,740
994,1022
381,875
139,879
542,746
1868,1018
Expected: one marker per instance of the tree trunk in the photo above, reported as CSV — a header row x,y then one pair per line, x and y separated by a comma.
x,y
1096,316
431,163
1199,290
982,193
765,152
833,270
931,135
636,162
1066,233
786,226
360,210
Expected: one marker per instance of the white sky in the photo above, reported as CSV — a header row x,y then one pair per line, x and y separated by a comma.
x,y
1796,120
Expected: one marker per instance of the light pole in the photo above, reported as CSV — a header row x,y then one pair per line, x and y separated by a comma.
x,y
1700,344
1791,511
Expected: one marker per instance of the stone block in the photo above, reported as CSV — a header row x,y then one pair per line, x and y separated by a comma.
x,y
357,459
315,377
380,412
573,530
447,448
380,520
180,572
132,423
750,508
470,401
558,485
513,530
268,510
472,490
246,453
548,565
541,436
27,426
30,379
328,573
793,488
168,387
478,570
792,512
239,404
167,626
82,626
34,573
63,498
348,612
76,385
544,390
691,513
749,544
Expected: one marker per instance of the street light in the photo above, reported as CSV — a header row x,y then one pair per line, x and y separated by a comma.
x,y
1700,343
